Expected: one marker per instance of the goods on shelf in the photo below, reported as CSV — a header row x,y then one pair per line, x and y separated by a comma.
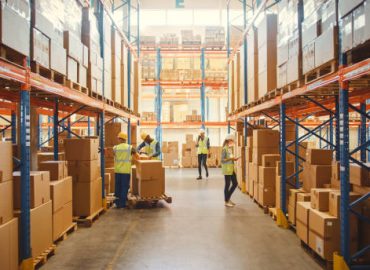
x,y
169,40
149,41
214,36
194,117
149,116
170,152
189,39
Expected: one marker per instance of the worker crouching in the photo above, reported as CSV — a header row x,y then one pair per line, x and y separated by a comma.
x,y
149,147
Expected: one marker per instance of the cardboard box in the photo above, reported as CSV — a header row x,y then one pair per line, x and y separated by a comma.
x,y
302,220
315,176
292,214
293,194
134,182
266,176
39,189
358,175
289,168
58,169
308,57
152,187
319,156
81,149
62,220
269,160
326,46
6,161
58,56
361,18
61,192
9,245
73,45
40,52
335,170
256,191
278,192
266,195
259,152
87,197
84,171
111,132
6,205
334,201
303,197
345,7
112,179
49,156
266,138
147,169
320,199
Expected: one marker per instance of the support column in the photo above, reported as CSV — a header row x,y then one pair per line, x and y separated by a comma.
x,y
14,127
56,128
88,126
297,184
202,88
363,131
102,156
228,65
129,62
283,158
331,133
337,121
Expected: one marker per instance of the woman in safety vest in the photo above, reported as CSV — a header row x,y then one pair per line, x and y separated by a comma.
x,y
149,146
203,152
228,170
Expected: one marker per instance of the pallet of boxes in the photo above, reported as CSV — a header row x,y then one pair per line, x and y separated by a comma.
x,y
170,152
84,168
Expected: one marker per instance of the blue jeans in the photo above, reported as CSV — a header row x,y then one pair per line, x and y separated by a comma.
x,y
122,185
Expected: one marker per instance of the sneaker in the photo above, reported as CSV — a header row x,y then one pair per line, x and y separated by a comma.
x,y
199,178
230,201
228,204
207,174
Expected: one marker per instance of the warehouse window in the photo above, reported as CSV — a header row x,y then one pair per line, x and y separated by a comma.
x,y
179,17
151,17
207,17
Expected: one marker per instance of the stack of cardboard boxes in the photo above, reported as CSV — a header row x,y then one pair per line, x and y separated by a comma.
x,y
266,179
170,152
214,36
169,40
149,176
84,167
8,224
194,117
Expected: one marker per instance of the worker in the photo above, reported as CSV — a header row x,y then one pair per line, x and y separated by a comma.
x,y
149,147
123,154
228,169
203,152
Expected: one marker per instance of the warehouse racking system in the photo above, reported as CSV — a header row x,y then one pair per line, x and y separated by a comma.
x,y
333,95
59,103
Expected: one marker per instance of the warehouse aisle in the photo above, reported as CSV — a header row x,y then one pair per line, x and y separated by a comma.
x,y
195,232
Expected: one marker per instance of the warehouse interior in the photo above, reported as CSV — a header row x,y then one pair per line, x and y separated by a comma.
x,y
138,134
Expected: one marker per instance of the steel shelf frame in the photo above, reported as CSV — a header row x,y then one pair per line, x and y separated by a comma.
x,y
158,99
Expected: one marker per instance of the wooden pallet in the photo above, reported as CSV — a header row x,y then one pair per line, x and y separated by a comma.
x,y
89,220
325,264
48,73
43,257
72,228
12,56
76,86
272,212
291,86
321,71
135,200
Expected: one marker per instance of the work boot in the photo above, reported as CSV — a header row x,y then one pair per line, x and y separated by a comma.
x,y
230,201
207,174
228,204
199,178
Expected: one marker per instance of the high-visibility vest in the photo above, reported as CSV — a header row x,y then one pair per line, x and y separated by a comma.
x,y
122,158
150,149
227,166
202,146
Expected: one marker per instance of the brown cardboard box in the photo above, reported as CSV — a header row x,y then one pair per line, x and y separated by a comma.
x,y
61,192
278,192
134,182
358,175
255,172
266,138
334,202
6,205
111,132
266,195
303,197
39,188
319,156
335,170
266,176
6,161
81,149
255,191
9,245
62,220
112,179
269,160
84,171
49,156
87,197
58,169
147,169
107,179
320,199
293,194
289,168
152,187
302,220
259,152
315,176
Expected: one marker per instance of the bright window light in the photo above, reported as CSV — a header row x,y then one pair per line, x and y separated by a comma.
x,y
207,17
179,17
152,17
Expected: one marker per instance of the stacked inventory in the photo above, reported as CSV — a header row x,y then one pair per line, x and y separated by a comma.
x,y
149,116
188,39
170,152
216,69
252,65
169,40
267,179
194,117
117,68
150,177
214,37
147,41
148,67
8,224
84,167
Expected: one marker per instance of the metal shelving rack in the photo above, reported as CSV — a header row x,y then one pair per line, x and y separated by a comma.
x,y
30,89
333,95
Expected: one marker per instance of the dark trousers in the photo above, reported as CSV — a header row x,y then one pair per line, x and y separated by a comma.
x,y
122,185
202,159
230,180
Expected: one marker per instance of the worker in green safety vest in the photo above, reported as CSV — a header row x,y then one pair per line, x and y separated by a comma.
x,y
123,155
203,152
149,147
228,169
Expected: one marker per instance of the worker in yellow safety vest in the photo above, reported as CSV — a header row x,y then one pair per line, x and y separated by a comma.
x,y
228,169
203,152
149,146
123,155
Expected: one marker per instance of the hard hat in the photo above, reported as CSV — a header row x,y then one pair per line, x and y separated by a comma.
x,y
143,135
230,137
202,131
122,136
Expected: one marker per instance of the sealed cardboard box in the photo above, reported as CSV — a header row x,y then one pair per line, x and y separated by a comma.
x,y
152,187
289,168
278,202
87,197
41,228
6,205
266,195
303,197
147,169
111,133
58,169
61,192
256,191
49,156
62,220
293,194
269,160
84,170
359,175
335,170
266,176
265,138
315,176
134,182
292,214
39,188
320,199
259,152
112,179
6,161
334,202
9,245
107,183
302,220
326,46
81,149
319,156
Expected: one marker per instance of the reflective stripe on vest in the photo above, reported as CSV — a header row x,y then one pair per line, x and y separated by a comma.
x,y
122,158
227,166
202,146
150,149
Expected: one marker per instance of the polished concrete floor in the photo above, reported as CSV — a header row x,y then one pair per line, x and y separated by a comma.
x,y
195,232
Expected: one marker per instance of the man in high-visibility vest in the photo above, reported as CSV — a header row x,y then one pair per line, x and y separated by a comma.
x,y
123,154
203,152
149,146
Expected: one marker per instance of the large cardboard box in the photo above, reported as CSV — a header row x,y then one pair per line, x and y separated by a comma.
x,y
87,197
6,161
147,169
302,220
49,156
6,205
39,188
84,171
9,245
112,183
359,176
151,187
266,176
326,46
134,182
62,220
319,156
256,191
293,196
266,195
111,133
345,6
265,138
303,197
278,192
334,202
260,151
61,192
58,169
289,168
269,160
81,149
320,199
316,176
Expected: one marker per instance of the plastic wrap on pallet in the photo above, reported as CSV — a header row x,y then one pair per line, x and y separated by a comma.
x,y
310,28
346,6
346,32
73,17
361,22
41,48
328,13
325,46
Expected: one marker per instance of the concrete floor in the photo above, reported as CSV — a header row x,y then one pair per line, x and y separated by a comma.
x,y
195,232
